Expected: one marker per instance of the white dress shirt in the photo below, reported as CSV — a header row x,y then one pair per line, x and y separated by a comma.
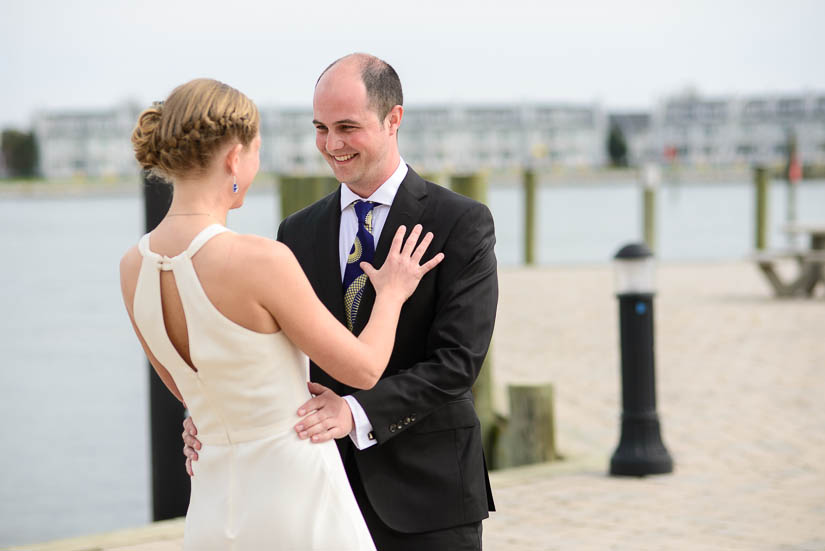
x,y
383,197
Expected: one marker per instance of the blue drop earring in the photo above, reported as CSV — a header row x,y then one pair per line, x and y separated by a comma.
x,y
234,184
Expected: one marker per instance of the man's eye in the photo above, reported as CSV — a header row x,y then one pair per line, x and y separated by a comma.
x,y
320,129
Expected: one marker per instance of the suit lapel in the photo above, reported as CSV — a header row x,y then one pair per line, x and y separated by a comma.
x,y
328,267
406,210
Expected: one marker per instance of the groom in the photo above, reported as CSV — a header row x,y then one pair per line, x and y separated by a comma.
x,y
411,445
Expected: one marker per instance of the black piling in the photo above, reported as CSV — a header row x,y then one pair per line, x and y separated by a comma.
x,y
170,483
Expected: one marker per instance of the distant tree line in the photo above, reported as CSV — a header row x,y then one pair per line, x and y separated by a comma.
x,y
20,155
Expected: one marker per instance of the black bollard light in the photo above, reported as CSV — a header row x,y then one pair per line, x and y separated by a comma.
x,y
170,483
640,451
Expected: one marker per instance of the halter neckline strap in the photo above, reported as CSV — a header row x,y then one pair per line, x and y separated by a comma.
x,y
164,263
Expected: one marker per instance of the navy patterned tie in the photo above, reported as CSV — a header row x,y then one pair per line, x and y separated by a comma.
x,y
363,249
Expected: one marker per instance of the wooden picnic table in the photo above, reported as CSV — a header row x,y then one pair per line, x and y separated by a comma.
x,y
810,262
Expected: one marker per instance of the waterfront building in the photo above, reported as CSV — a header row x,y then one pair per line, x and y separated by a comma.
x,y
687,129
747,130
94,143
439,138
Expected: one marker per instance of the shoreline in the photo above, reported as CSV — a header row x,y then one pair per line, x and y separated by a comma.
x,y
506,178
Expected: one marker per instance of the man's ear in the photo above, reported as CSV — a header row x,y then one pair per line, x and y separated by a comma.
x,y
393,119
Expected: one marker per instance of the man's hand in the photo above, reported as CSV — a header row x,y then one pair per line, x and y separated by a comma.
x,y
325,417
190,444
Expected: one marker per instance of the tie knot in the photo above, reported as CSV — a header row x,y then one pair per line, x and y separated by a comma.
x,y
362,209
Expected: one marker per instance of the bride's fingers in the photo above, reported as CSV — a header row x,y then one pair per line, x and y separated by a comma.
x,y
412,239
432,263
368,269
422,247
395,247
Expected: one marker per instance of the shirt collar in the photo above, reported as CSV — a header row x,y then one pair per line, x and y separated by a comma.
x,y
384,195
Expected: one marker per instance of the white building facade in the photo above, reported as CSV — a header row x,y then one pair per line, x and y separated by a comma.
x,y
689,129
744,130
86,143
455,138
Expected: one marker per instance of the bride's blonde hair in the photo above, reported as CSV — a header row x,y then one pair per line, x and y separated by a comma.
x,y
180,135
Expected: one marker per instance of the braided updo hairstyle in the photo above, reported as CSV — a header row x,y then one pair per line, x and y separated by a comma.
x,y
180,135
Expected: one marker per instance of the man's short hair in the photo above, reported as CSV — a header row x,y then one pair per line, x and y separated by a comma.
x,y
381,81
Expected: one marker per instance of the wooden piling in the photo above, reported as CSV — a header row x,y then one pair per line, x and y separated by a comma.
x,y
761,207
529,182
474,186
530,435
298,192
649,222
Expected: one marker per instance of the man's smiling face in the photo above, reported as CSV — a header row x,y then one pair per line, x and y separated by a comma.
x,y
361,149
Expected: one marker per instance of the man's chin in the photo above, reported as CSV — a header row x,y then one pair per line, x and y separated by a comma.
x,y
341,174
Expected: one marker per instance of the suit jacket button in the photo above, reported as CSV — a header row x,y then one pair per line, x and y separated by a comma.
x,y
412,418
393,427
371,435
408,420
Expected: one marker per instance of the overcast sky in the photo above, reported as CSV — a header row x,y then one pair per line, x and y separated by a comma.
x,y
58,54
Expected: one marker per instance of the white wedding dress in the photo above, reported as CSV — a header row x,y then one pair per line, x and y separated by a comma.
x,y
256,486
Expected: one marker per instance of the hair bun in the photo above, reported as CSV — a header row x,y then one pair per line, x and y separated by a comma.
x,y
180,136
145,137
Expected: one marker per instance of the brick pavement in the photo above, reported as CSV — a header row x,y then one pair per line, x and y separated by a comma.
x,y
741,382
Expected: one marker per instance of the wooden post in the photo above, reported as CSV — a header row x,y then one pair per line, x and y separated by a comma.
x,y
529,217
529,436
483,400
475,187
298,192
170,483
761,181
649,200
651,178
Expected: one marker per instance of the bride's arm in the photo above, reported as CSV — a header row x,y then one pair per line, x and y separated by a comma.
x,y
357,362
129,269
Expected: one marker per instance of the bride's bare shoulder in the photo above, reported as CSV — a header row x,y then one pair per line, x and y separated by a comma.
x,y
258,255
263,249
129,269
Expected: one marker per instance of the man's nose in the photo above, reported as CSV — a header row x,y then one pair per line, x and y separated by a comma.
x,y
334,142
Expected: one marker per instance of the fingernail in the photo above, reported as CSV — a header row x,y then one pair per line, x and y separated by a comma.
x,y
301,412
315,438
303,435
299,428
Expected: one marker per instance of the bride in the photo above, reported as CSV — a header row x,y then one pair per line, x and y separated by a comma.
x,y
228,320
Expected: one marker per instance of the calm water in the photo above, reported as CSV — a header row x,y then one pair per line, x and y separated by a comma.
x,y
73,412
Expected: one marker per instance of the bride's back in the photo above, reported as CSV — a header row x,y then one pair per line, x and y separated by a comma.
x,y
227,271
241,383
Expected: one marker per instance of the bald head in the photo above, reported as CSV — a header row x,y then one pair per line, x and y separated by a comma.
x,y
380,80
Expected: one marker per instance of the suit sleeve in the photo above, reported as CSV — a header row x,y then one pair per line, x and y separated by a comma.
x,y
458,338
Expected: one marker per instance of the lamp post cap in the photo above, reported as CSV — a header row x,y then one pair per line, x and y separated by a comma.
x,y
633,251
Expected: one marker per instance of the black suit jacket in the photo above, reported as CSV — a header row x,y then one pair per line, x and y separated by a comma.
x,y
427,471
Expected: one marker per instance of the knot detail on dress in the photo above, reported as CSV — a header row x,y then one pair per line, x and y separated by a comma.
x,y
164,263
